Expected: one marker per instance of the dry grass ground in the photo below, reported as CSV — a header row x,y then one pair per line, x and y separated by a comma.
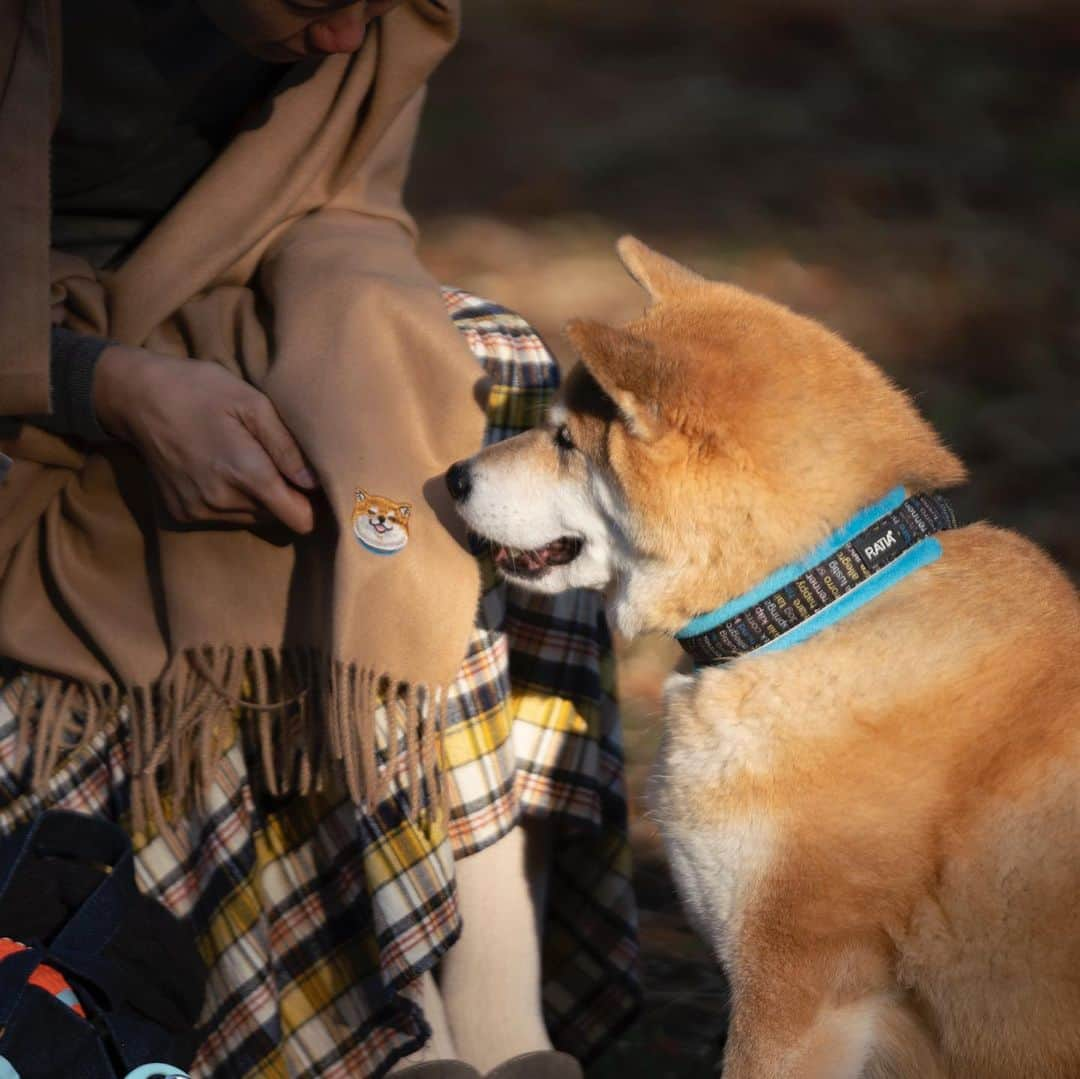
x,y
908,177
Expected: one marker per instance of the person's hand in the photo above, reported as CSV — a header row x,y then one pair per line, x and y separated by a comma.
x,y
215,445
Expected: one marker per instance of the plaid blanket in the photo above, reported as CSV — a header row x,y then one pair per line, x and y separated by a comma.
x,y
314,918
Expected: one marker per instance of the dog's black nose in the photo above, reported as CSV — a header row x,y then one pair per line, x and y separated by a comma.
x,y
458,481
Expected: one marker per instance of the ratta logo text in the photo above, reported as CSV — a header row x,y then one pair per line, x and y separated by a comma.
x,y
880,546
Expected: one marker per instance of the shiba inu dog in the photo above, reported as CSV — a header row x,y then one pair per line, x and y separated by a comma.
x,y
380,524
872,803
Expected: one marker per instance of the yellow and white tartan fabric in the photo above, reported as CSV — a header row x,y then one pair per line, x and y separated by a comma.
x,y
313,916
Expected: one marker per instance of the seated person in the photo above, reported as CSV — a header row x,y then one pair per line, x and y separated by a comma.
x,y
236,614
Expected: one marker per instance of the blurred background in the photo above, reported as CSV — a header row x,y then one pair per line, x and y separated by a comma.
x,y
908,172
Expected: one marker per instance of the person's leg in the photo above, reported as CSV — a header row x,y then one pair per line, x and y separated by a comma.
x,y
490,979
440,1046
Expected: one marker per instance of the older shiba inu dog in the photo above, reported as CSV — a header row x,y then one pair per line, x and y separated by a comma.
x,y
872,806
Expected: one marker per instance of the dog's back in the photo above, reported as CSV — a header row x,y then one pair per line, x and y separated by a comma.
x,y
993,941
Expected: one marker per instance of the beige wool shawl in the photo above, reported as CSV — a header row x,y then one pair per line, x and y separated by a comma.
x,y
290,261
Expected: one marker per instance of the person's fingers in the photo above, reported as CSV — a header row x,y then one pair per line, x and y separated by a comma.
x,y
227,457
201,514
229,499
236,517
258,475
287,504
174,505
262,420
185,503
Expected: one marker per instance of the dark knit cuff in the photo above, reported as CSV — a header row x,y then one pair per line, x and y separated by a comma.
x,y
72,361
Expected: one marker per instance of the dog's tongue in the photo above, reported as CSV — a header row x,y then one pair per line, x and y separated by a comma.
x,y
540,558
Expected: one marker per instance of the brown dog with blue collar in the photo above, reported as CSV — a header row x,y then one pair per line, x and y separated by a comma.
x,y
870,787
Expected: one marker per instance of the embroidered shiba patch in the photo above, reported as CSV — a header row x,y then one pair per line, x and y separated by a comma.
x,y
380,524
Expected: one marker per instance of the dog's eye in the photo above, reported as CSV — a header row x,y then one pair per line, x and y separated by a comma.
x,y
563,439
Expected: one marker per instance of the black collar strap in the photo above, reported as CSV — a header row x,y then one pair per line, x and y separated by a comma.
x,y
880,546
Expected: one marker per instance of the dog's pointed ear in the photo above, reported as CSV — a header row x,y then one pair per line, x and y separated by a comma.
x,y
660,276
624,366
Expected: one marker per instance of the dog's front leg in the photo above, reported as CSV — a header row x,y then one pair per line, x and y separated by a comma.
x,y
800,1017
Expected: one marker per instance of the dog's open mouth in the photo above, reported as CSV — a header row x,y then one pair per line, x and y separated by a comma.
x,y
535,563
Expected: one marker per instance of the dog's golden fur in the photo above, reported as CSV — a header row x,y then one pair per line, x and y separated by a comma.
x,y
878,830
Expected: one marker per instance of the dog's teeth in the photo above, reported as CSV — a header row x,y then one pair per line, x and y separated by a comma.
x,y
519,560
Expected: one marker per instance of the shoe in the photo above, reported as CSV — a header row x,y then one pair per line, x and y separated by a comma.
x,y
438,1069
545,1064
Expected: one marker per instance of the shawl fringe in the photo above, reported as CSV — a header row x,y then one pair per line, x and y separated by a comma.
x,y
308,716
